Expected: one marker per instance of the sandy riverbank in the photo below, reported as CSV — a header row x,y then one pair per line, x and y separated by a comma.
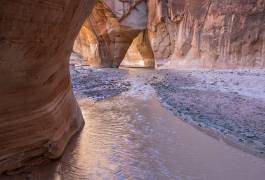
x,y
230,104
125,103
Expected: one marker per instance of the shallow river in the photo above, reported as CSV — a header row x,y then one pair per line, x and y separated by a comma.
x,y
131,136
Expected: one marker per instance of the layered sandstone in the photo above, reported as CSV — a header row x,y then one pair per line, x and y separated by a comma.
x,y
140,53
114,25
38,112
208,33
86,45
189,34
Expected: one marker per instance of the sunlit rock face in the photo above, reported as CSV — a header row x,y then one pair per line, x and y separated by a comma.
x,y
86,45
140,53
208,34
38,112
114,24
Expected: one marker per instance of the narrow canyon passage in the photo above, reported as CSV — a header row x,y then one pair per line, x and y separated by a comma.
x,y
131,136
207,59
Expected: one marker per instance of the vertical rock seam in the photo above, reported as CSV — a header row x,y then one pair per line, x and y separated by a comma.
x,y
208,33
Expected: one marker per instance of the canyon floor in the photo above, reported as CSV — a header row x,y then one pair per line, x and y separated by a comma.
x,y
226,104
164,124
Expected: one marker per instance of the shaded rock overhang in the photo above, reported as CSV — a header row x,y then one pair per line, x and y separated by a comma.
x,y
38,111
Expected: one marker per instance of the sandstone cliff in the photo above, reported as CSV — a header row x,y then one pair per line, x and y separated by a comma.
x,y
86,45
189,34
115,24
208,33
38,112
140,53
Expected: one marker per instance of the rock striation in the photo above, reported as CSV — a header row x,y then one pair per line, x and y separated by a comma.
x,y
182,34
86,45
114,25
208,33
38,112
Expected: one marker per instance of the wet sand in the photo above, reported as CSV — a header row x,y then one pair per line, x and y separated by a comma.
x,y
132,136
229,104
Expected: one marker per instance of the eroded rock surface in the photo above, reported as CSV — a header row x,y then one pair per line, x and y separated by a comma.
x,y
86,45
114,24
189,34
208,34
140,53
38,112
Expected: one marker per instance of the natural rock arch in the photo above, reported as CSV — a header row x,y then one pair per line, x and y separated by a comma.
x,y
110,30
38,111
140,53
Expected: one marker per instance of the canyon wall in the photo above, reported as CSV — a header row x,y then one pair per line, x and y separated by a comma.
x,y
183,33
38,112
115,24
86,45
207,33
140,53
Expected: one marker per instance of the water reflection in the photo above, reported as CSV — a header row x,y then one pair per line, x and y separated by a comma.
x,y
131,137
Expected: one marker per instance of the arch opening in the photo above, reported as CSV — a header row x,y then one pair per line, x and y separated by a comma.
x,y
110,35
38,110
140,53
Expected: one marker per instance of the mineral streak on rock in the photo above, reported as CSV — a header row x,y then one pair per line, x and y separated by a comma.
x,y
185,34
38,112
208,34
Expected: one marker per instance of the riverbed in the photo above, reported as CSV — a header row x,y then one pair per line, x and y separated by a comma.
x,y
130,134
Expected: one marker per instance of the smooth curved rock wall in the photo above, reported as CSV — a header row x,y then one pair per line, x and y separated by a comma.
x,y
38,112
86,45
140,53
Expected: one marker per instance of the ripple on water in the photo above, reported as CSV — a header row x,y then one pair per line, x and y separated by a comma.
x,y
127,137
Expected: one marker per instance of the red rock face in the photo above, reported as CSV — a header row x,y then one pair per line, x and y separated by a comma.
x,y
189,34
86,45
115,24
140,53
208,34
38,112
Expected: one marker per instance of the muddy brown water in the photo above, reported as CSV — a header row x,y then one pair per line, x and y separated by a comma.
x,y
131,136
